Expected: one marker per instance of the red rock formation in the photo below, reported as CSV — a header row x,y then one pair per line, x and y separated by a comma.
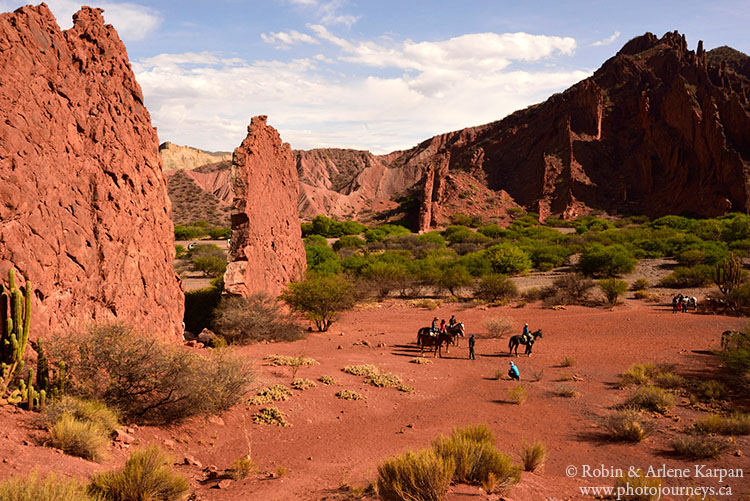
x,y
266,250
84,214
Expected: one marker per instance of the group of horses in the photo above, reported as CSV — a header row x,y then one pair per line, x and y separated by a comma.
x,y
426,338
683,303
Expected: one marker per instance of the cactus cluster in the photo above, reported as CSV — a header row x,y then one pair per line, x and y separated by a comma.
x,y
728,274
15,319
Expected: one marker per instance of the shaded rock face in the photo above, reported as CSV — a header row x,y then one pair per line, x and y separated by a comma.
x,y
266,251
84,212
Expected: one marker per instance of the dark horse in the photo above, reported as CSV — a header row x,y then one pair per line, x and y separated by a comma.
x,y
518,339
424,339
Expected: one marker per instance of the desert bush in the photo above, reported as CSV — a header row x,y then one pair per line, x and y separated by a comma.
x,y
210,266
627,425
572,288
533,456
82,410
286,360
567,362
497,327
270,415
85,439
361,370
640,284
496,287
428,304
327,380
637,487
275,393
517,394
147,379
315,240
349,395
683,277
650,398
691,257
638,374
303,384
252,319
696,446
348,241
611,261
242,467
533,294
321,298
536,375
383,380
405,388
567,391
736,424
49,488
322,260
147,474
711,390
384,277
669,380
645,296
508,259
378,233
416,476
612,289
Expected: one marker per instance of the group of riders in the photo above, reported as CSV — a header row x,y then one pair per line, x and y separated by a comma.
x,y
442,328
682,303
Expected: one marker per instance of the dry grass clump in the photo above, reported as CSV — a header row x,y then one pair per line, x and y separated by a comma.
x,y
405,388
277,360
640,285
420,361
699,446
327,380
416,476
81,438
627,425
567,391
242,467
736,424
650,398
711,390
517,394
669,380
567,362
49,488
533,456
270,415
303,384
497,327
569,376
383,380
429,304
498,374
147,474
275,393
349,395
643,374
638,487
361,370
82,410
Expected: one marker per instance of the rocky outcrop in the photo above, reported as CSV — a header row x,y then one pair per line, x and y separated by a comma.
x,y
85,214
266,251
176,157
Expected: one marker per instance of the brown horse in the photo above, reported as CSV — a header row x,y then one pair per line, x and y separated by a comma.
x,y
424,339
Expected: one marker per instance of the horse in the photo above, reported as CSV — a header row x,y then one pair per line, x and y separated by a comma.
x,y
425,338
518,339
693,301
455,331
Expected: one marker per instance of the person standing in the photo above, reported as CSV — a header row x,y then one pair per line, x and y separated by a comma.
x,y
471,347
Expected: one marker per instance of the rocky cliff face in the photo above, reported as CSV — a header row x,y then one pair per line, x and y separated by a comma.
x,y
84,214
176,157
266,251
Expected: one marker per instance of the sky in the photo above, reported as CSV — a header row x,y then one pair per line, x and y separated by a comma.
x,y
379,75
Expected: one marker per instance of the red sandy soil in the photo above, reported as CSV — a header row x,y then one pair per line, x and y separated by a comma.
x,y
333,442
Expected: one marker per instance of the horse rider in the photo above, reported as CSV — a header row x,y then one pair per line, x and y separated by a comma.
x,y
452,322
434,329
513,372
526,333
442,326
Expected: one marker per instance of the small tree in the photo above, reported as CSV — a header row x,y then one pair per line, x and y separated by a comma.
x,y
453,278
495,286
613,289
508,259
321,298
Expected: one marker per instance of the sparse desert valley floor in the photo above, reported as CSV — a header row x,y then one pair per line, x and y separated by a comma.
x,y
333,442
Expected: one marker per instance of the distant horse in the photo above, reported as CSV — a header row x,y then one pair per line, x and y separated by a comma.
x,y
425,338
692,302
518,339
455,331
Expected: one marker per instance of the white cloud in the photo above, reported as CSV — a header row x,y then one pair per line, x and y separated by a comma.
x,y
608,40
132,21
327,12
285,39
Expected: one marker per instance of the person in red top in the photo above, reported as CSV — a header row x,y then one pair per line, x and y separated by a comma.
x,y
442,326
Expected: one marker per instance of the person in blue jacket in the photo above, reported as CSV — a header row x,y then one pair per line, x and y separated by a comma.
x,y
526,333
513,372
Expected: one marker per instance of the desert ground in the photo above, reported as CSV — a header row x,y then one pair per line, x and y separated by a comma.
x,y
333,443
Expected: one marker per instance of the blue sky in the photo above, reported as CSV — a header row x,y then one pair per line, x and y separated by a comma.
x,y
378,75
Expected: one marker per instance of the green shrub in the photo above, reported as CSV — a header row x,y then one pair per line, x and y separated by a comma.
x,y
691,257
272,416
49,488
82,410
180,251
610,261
85,439
322,260
496,287
699,446
380,232
533,456
416,476
348,241
148,379
613,289
682,277
245,320
316,240
321,298
492,231
517,394
508,259
650,398
147,474
736,424
627,425
640,284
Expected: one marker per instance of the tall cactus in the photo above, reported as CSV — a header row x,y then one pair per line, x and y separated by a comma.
x,y
15,320
728,274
